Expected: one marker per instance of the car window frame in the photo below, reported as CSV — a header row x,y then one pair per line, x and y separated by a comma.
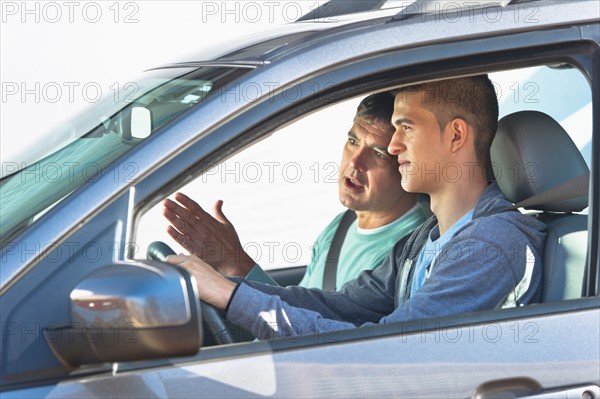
x,y
537,55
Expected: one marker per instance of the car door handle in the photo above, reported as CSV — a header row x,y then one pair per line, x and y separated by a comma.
x,y
585,392
524,387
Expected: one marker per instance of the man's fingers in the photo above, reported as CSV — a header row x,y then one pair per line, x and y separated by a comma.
x,y
182,240
176,259
189,203
179,223
190,260
189,243
178,210
177,236
218,212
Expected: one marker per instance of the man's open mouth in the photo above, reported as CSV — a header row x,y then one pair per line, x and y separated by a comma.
x,y
353,185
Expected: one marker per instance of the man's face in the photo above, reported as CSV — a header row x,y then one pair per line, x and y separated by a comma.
x,y
369,180
418,143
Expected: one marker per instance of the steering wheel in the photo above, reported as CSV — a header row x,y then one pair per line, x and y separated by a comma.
x,y
218,327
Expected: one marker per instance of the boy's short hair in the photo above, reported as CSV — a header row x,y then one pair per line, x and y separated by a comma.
x,y
472,99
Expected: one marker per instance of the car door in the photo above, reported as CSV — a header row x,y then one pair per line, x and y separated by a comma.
x,y
517,352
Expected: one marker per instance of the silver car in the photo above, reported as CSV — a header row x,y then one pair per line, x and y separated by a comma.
x,y
86,313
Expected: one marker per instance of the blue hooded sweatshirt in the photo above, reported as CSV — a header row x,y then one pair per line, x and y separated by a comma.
x,y
493,261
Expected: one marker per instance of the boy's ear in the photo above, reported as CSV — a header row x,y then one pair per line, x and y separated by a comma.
x,y
458,133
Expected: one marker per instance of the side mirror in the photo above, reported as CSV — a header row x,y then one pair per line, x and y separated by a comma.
x,y
128,312
141,122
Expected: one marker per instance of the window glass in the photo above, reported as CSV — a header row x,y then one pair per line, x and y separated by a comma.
x,y
562,93
279,193
81,150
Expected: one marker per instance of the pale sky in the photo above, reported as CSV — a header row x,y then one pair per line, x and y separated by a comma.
x,y
58,57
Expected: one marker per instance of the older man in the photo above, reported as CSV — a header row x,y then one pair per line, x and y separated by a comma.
x,y
369,185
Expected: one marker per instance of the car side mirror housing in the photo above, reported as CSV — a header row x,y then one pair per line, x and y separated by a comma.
x,y
127,312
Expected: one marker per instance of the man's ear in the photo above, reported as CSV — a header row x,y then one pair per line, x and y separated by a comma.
x,y
458,133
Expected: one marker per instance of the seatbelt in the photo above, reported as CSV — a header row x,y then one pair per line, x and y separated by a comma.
x,y
333,256
574,188
407,273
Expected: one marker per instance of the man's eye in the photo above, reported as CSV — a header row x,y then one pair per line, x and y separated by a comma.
x,y
352,141
379,154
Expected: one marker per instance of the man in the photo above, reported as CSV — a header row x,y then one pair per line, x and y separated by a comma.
x,y
475,253
368,183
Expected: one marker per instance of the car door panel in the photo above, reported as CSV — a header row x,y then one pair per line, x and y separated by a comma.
x,y
450,360
25,316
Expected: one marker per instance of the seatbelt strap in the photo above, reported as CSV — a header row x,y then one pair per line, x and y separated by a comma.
x,y
333,256
574,188
406,278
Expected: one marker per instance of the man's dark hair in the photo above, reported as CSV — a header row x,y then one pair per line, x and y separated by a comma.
x,y
377,108
472,99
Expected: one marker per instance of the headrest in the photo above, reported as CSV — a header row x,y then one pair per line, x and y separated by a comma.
x,y
532,153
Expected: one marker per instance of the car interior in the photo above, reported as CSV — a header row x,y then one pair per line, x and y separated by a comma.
x,y
524,158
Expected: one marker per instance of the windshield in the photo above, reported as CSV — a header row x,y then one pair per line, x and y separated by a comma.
x,y
82,150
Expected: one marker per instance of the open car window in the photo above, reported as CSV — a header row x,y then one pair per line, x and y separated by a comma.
x,y
561,91
272,209
281,192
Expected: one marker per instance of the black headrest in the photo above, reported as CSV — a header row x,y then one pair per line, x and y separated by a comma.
x,y
532,153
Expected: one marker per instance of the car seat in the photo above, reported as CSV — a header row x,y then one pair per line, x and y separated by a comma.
x,y
532,154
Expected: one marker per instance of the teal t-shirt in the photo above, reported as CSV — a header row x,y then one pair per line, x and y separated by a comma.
x,y
362,249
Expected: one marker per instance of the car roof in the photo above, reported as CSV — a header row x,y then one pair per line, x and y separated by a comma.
x,y
264,47
258,47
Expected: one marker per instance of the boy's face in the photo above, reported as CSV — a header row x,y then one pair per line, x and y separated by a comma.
x,y
419,144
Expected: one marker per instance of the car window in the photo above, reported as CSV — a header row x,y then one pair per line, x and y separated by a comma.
x,y
81,151
279,193
274,199
561,92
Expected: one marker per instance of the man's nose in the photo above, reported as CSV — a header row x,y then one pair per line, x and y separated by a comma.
x,y
396,145
358,160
